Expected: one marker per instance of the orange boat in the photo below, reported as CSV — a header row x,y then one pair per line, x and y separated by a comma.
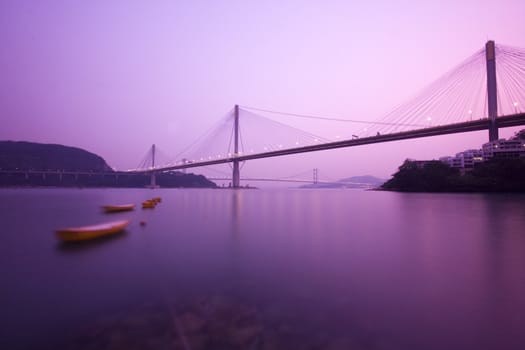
x,y
118,208
83,233
149,204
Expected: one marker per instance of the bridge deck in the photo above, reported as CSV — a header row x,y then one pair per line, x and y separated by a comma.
x,y
475,125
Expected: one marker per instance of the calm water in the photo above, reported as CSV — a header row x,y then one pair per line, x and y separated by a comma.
x,y
264,269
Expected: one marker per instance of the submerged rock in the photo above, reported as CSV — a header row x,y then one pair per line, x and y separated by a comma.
x,y
207,323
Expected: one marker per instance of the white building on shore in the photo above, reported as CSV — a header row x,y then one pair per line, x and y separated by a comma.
x,y
502,148
465,159
513,148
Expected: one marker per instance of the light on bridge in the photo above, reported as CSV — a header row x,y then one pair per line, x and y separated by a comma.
x,y
470,113
515,104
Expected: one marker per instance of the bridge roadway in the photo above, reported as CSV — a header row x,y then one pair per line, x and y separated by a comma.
x,y
474,125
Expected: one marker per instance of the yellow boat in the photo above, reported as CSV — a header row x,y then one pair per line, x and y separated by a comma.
x,y
73,234
118,208
149,204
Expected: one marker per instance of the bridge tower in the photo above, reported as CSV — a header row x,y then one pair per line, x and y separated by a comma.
x,y
153,179
316,176
490,56
236,178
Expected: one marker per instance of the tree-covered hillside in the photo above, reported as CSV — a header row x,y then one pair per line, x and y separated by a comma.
x,y
495,175
27,164
36,156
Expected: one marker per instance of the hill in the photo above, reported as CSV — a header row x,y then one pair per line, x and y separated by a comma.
x,y
367,180
43,157
35,164
364,181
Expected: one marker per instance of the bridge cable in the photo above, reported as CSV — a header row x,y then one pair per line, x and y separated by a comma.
x,y
307,116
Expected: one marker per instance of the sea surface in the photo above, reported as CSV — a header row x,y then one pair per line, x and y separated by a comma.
x,y
264,269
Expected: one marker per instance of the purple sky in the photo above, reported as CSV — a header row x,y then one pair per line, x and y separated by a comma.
x,y
114,77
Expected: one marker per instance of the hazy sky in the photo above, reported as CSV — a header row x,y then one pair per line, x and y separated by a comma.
x,y
114,77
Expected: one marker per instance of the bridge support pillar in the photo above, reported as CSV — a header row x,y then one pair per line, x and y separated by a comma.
x,y
236,177
490,56
153,180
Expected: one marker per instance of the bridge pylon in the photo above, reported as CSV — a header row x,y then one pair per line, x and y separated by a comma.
x,y
236,176
492,92
153,177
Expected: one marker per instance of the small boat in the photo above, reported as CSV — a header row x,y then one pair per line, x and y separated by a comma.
x,y
82,233
149,204
157,199
117,208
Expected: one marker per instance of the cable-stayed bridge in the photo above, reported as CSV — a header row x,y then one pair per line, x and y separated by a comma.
x,y
484,92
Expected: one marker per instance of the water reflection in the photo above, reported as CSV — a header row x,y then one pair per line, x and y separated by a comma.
x,y
467,247
84,246
270,270
236,207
